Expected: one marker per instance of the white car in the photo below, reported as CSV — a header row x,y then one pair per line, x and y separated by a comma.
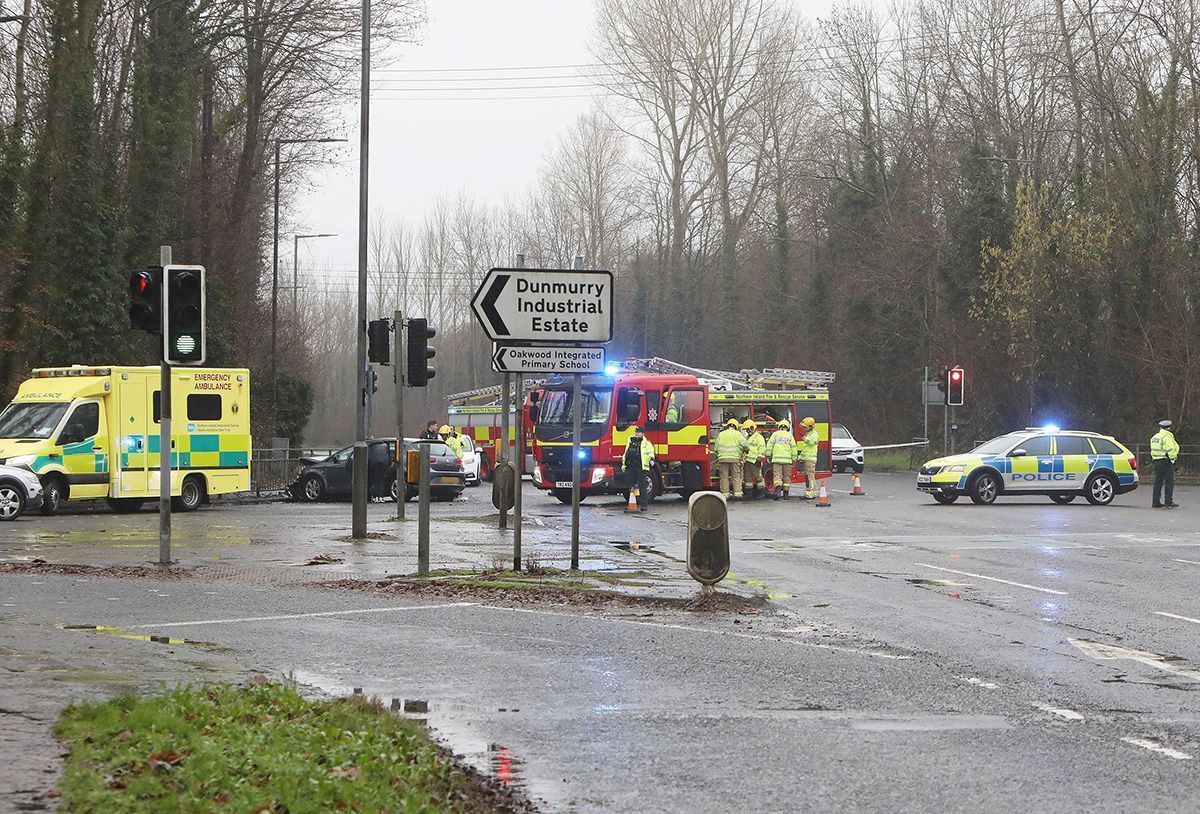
x,y
20,489
471,461
846,452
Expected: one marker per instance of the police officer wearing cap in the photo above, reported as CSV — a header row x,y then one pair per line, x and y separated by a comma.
x,y
1164,451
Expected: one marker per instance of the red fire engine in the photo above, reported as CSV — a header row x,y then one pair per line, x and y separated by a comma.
x,y
681,408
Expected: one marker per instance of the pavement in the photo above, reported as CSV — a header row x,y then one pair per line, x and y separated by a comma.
x,y
914,657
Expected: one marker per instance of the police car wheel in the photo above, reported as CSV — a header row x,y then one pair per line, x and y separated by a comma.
x,y
12,502
1100,489
52,496
944,499
1062,500
984,488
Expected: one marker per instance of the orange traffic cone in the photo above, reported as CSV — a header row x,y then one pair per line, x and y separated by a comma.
x,y
633,496
822,497
857,490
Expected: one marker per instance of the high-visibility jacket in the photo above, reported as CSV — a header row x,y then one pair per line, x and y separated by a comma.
x,y
808,446
730,445
781,448
1164,445
672,416
455,443
756,446
647,450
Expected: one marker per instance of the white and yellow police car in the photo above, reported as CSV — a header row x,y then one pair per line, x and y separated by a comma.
x,y
1061,464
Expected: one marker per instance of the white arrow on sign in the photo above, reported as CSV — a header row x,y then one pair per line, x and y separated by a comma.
x,y
547,359
545,305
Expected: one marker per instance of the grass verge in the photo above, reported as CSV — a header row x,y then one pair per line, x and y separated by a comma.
x,y
890,460
264,748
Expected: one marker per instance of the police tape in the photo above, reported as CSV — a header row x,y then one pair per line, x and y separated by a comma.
x,y
898,446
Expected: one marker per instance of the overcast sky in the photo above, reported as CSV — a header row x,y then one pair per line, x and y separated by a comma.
x,y
422,149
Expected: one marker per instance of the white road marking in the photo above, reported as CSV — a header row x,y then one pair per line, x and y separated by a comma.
x,y
992,579
1154,746
1189,562
1177,616
1110,652
1067,714
314,615
978,682
735,634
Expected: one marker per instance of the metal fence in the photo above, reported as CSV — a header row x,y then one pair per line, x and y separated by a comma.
x,y
272,471
1187,466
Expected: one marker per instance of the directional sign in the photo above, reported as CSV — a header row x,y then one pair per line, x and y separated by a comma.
x,y
547,359
545,305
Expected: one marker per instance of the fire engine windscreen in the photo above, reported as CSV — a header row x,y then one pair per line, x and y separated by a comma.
x,y
557,408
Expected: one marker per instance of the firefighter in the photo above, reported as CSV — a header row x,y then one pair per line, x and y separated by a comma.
x,y
752,473
781,452
637,460
451,439
1164,451
808,456
731,451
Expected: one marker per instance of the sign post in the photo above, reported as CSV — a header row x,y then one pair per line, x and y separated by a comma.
x,y
548,321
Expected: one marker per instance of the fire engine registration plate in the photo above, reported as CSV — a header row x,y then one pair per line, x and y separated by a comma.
x,y
923,478
563,484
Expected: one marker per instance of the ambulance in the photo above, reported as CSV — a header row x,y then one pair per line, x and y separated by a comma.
x,y
91,433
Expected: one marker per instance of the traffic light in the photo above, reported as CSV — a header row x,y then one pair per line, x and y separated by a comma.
x,y
420,352
955,386
379,341
183,315
145,299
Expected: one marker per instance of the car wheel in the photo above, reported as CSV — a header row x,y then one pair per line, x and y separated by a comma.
x,y
1100,489
392,491
1062,500
859,468
125,505
313,489
191,495
984,488
944,499
53,496
12,501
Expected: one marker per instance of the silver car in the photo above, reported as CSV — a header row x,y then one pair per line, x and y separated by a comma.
x,y
847,453
20,489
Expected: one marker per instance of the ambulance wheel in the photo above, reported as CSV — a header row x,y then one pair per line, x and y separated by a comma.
x,y
191,495
12,501
1062,500
984,488
944,499
125,505
54,493
1100,489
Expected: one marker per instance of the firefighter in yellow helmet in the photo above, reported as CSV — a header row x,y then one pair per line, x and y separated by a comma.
x,y
781,452
752,470
451,439
731,451
808,456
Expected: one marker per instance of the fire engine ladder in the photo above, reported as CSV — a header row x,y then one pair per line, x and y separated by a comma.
x,y
488,395
746,379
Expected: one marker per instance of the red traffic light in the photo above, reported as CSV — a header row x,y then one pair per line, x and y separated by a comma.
x,y
955,375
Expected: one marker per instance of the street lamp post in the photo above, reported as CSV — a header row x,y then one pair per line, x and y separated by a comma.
x,y
279,142
296,265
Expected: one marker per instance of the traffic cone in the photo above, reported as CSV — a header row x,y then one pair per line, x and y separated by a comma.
x,y
857,490
633,496
822,497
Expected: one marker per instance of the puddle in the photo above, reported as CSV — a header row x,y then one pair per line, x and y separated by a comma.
x,y
121,633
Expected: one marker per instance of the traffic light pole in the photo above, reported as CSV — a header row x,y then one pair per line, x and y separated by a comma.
x,y
358,523
401,455
164,444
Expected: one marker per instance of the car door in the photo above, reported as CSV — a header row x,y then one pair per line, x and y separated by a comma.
x,y
1027,471
1077,456
338,471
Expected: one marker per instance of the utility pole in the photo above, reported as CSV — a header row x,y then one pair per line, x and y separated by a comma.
x,y
164,439
398,368
359,472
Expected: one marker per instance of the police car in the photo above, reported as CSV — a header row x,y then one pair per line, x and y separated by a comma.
x,y
1061,464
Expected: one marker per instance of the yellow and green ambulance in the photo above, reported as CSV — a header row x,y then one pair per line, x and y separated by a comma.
x,y
1060,464
92,433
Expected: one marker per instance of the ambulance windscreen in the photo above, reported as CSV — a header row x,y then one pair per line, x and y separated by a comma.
x,y
31,419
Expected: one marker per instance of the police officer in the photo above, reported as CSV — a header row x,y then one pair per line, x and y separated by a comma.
x,y
1164,451
731,451
752,473
430,433
637,460
781,452
808,456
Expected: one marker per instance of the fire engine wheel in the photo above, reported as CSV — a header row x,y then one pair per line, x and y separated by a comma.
x,y
564,496
53,494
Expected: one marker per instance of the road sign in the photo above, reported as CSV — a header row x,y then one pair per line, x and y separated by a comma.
x,y
933,394
546,359
545,305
